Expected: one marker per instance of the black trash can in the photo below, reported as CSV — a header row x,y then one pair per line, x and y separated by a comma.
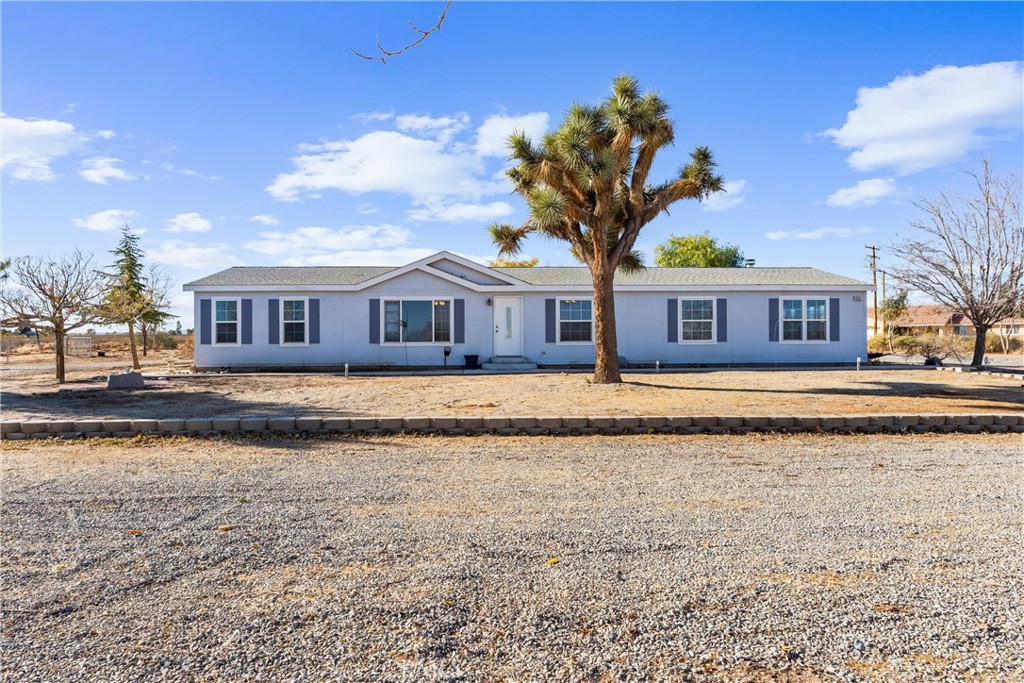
x,y
472,361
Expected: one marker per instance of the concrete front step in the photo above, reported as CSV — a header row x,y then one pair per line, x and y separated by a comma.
x,y
505,366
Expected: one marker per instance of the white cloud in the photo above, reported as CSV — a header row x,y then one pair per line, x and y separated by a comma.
x,y
171,168
385,161
188,222
106,134
102,170
730,199
366,209
442,128
310,243
455,213
492,135
264,219
370,116
818,234
30,146
208,257
919,122
106,221
864,193
377,257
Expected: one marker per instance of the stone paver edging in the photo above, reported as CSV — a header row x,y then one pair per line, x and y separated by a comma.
x,y
647,424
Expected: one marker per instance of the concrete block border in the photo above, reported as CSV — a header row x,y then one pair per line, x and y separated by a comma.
x,y
527,426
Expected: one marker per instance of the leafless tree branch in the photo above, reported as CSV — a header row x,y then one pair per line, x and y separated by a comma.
x,y
388,54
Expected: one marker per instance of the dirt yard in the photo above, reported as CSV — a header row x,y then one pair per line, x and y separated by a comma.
x,y
29,392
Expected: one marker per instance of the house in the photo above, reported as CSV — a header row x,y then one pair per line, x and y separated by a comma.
x,y
940,320
440,309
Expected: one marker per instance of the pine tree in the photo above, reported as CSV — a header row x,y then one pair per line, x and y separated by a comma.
x,y
126,300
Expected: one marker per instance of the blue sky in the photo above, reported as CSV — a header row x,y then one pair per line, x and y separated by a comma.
x,y
249,134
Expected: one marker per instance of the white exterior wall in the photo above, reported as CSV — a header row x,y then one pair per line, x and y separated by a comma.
x,y
641,316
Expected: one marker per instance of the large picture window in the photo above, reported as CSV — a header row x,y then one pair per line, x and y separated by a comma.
x,y
575,321
425,321
696,320
804,320
294,321
225,326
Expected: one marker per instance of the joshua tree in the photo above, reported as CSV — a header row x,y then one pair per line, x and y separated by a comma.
x,y
587,184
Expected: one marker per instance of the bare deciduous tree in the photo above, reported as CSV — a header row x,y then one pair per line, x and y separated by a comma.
x,y
385,54
54,293
158,295
968,252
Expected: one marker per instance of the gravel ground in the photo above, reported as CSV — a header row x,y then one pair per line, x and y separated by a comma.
x,y
769,558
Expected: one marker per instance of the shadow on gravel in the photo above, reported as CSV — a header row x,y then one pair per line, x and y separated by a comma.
x,y
1006,397
148,404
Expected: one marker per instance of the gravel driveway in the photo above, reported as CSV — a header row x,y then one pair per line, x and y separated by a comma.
x,y
769,558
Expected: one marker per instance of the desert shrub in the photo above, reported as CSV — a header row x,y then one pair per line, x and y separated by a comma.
x,y
163,341
994,343
939,346
878,344
186,346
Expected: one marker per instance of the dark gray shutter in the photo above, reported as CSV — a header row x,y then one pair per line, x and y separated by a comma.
x,y
459,336
549,321
205,321
247,321
673,321
274,320
722,321
314,321
773,320
833,319
375,321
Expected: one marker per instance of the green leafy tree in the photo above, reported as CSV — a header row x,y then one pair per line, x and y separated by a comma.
x,y
892,308
587,184
127,300
513,263
697,251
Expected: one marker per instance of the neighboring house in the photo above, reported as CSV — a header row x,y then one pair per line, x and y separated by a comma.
x,y
941,320
262,317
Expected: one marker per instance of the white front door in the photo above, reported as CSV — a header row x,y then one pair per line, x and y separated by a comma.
x,y
508,326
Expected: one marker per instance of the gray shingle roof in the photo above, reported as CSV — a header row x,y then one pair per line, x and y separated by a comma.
x,y
298,275
685,276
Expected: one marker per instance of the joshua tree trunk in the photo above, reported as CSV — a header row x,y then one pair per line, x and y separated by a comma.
x,y
606,347
131,343
979,345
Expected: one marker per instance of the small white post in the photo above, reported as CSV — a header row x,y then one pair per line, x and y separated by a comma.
x,y
858,363
657,366
346,370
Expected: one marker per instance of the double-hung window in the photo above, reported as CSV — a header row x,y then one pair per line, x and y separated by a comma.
x,y
226,316
425,321
696,320
575,321
294,321
804,320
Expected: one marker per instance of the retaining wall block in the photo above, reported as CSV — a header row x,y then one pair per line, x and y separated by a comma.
x,y
522,422
252,424
308,424
58,426
881,421
16,436
169,425
496,422
123,435
85,426
390,424
831,422
857,421
906,420
729,421
998,428
983,420
677,421
575,422
549,422
42,435
958,420
1017,428
757,421
9,427
1008,420
362,424
969,429
600,421
780,421
281,424
806,421
444,422
70,436
869,429
224,424
470,422
144,426
33,427
704,421
416,423
933,420
627,422
198,425
945,429
654,421
692,429
337,424
117,425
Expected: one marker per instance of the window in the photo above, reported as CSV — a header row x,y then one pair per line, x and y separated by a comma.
x,y
575,321
804,320
697,320
225,325
424,321
293,321
961,331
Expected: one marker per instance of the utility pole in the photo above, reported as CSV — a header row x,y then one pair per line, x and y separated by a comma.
x,y
874,280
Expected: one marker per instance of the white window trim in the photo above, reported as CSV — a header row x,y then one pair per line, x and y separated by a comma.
x,y
558,321
803,320
451,320
679,321
281,321
213,320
